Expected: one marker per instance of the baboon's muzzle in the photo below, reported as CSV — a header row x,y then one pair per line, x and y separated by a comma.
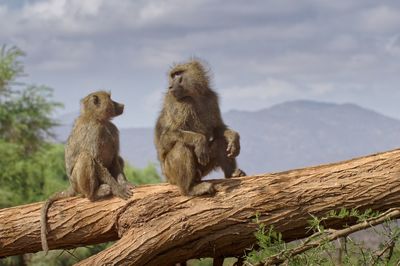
x,y
119,108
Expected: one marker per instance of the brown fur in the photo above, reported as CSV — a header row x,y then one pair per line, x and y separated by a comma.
x,y
92,160
190,137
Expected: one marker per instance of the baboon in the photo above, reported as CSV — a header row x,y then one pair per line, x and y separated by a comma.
x,y
92,160
190,136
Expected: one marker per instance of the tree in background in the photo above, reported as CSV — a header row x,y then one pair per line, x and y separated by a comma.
x,y
10,68
26,120
25,110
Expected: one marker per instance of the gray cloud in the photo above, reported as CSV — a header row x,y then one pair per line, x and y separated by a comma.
x,y
261,52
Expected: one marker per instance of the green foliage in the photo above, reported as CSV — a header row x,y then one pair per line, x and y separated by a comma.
x,y
10,67
209,262
269,241
25,117
25,113
64,258
353,213
201,262
147,175
25,127
347,251
26,179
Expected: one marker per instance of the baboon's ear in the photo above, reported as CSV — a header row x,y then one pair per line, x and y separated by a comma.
x,y
95,99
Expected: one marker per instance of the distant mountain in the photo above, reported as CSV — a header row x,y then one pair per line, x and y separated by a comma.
x,y
285,136
304,133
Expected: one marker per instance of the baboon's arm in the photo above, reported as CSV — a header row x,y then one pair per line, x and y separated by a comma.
x,y
118,171
190,138
231,135
233,140
117,189
105,175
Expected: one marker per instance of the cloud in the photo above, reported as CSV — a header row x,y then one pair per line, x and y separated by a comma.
x,y
393,45
322,88
267,89
258,95
382,18
261,53
343,43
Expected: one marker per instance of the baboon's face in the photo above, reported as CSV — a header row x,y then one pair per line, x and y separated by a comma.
x,y
178,86
187,81
101,106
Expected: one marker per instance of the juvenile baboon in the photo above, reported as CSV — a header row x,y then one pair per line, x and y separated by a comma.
x,y
190,137
92,160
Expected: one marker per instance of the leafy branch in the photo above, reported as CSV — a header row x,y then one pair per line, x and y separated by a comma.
x,y
323,236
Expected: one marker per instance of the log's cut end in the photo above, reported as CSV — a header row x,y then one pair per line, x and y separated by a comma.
x,y
158,226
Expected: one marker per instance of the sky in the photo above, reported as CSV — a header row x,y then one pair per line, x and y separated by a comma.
x,y
260,52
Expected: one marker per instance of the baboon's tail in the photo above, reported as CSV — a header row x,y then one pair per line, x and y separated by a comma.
x,y
43,213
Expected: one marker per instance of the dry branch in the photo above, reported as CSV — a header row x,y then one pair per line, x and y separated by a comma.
x,y
157,226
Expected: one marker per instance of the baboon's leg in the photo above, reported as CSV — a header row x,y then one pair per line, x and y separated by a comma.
x,y
103,191
228,165
117,167
84,179
181,169
120,190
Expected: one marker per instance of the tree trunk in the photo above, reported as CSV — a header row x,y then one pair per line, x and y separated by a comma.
x,y
157,226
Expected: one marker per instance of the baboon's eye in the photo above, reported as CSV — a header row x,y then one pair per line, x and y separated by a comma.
x,y
176,74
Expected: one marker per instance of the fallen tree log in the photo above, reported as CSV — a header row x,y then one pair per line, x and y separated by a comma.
x,y
157,226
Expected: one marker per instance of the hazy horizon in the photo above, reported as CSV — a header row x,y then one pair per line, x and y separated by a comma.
x,y
74,114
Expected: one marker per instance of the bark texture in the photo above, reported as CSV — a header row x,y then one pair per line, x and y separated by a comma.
x,y
157,226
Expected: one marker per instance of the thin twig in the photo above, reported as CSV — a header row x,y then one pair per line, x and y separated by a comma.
x,y
342,242
391,249
388,245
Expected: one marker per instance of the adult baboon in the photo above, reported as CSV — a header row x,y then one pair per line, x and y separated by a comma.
x,y
190,136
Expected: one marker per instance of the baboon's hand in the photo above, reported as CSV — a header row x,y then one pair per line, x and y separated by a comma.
x,y
123,191
129,185
123,182
233,148
202,151
238,173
